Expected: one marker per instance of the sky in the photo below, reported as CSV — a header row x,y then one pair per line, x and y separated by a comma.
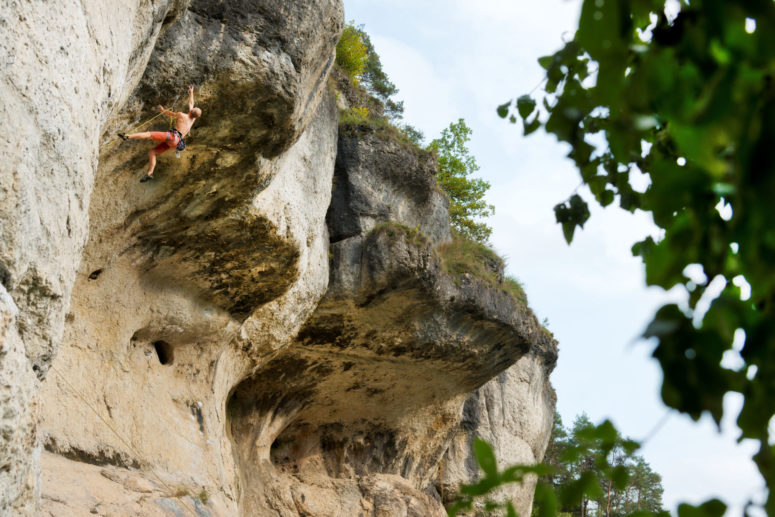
x,y
460,59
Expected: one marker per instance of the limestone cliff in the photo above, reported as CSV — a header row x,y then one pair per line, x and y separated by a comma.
x,y
267,328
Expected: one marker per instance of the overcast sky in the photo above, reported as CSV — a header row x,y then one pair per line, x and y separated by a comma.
x,y
456,58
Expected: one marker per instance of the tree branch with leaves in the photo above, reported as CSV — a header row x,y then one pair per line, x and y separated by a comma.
x,y
688,98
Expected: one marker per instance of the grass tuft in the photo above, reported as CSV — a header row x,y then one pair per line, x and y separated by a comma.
x,y
514,287
393,230
463,256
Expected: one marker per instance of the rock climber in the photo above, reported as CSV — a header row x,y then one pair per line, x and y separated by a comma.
x,y
169,139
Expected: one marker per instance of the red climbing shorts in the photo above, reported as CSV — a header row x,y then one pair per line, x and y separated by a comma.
x,y
169,140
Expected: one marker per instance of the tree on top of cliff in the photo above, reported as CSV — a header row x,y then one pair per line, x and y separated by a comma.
x,y
454,175
371,92
351,53
686,97
377,82
356,55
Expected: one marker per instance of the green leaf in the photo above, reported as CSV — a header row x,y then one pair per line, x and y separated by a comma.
x,y
525,106
545,501
483,487
630,446
620,476
711,508
600,28
546,61
510,511
719,53
606,197
503,109
485,457
459,506
579,210
532,125
570,215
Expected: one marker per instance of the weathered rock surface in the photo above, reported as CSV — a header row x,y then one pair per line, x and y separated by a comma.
x,y
513,412
379,180
230,234
56,93
264,329
374,385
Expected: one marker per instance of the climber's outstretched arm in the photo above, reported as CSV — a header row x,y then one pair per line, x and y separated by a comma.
x,y
190,98
166,112
170,113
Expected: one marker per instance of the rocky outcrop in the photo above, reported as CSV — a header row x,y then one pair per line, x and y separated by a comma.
x,y
267,328
372,391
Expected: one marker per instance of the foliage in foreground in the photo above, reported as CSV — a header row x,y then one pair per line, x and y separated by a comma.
x,y
689,100
590,471
640,492
466,193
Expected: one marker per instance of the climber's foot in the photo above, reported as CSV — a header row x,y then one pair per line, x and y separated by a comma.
x,y
146,178
123,137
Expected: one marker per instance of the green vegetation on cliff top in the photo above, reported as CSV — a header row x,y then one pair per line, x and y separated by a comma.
x,y
377,110
370,94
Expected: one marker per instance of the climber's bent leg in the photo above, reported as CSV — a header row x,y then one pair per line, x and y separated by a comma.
x,y
159,136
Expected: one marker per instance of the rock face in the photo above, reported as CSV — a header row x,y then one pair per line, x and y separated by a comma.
x,y
267,327
371,392
512,412
56,94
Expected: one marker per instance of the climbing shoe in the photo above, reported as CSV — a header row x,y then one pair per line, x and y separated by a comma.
x,y
123,137
146,178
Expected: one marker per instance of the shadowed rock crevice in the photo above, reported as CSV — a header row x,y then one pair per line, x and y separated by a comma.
x,y
99,457
236,264
164,352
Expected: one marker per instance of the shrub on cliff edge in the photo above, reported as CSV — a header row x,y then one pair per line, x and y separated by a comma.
x,y
351,52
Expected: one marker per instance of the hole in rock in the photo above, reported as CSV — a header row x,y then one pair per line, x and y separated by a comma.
x,y
279,451
95,274
163,351
289,452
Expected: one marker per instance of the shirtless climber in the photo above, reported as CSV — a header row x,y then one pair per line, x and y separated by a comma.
x,y
169,139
